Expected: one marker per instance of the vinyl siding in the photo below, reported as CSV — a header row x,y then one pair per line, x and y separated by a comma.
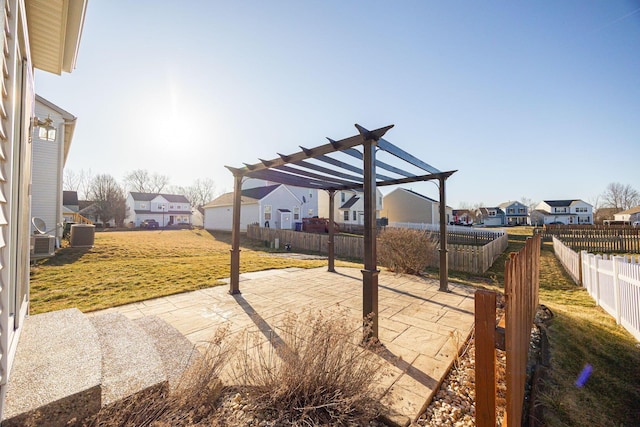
x,y
402,206
46,181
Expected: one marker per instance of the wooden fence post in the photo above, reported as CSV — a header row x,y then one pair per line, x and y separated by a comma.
x,y
485,339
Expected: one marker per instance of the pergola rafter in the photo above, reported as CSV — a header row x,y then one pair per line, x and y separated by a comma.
x,y
297,170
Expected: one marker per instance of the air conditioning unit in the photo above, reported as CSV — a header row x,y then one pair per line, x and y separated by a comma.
x,y
42,246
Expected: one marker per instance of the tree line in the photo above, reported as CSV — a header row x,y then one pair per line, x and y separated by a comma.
x,y
109,197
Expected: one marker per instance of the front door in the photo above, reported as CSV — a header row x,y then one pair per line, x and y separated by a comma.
x,y
285,220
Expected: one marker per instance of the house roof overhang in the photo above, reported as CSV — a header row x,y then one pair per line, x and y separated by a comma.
x,y
69,124
55,29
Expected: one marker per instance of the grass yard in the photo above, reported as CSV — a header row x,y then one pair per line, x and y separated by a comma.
x,y
125,267
130,266
580,333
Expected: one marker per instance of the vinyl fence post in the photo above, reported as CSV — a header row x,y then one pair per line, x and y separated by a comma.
x,y
616,286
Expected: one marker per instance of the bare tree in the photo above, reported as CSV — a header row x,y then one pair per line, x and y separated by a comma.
x,y
109,199
70,180
80,182
620,197
141,181
201,192
137,180
158,183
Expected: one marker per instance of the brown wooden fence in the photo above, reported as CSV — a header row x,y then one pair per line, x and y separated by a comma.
x,y
471,259
595,238
522,281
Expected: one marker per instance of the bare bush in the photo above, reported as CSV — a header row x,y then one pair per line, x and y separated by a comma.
x,y
316,372
404,250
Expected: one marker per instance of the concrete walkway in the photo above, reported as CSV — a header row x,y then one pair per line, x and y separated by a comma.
x,y
421,328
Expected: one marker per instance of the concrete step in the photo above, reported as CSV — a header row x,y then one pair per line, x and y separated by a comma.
x,y
68,366
130,361
56,371
175,350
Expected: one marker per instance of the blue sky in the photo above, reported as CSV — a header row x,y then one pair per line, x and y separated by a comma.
x,y
525,99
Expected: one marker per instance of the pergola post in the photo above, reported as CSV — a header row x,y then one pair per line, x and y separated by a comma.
x,y
234,283
444,261
330,248
370,271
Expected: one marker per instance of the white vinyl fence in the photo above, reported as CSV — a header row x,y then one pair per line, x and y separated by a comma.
x,y
614,282
569,259
450,228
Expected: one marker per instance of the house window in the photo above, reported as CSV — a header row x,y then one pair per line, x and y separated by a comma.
x,y
521,210
310,212
355,215
170,206
267,213
296,213
510,210
346,215
492,213
342,197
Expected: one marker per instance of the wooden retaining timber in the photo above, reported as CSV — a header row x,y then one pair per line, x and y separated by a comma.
x,y
462,257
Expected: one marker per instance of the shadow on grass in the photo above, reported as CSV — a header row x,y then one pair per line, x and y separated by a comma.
x,y
65,256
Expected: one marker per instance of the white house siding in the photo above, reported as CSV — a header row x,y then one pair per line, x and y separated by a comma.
x,y
280,198
221,217
15,178
46,185
358,207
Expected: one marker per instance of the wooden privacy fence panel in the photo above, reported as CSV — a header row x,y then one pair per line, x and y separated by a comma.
x,y
521,285
471,259
614,283
619,239
569,259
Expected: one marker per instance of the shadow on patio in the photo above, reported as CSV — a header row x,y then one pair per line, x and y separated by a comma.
x,y
421,328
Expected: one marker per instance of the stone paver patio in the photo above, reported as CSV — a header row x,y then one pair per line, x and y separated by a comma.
x,y
421,328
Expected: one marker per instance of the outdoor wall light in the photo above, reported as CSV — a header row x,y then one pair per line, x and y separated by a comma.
x,y
46,130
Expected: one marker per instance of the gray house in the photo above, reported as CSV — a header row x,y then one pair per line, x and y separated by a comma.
x,y
516,213
493,216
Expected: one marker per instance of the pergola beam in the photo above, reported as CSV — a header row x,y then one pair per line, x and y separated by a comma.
x,y
308,153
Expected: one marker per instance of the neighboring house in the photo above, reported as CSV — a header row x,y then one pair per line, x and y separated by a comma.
x,y
43,35
536,217
197,217
49,154
461,217
166,209
402,205
308,207
516,213
493,216
604,214
348,206
574,211
632,215
275,206
70,201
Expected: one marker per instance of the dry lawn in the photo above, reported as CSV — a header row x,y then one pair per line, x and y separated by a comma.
x,y
130,266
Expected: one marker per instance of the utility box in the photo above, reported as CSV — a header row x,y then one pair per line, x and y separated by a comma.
x,y
82,235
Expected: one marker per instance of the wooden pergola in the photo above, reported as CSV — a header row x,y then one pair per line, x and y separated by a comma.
x,y
332,174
